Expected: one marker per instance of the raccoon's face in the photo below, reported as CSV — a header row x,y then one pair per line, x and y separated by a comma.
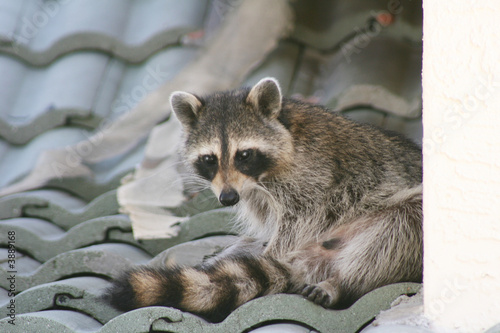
x,y
233,139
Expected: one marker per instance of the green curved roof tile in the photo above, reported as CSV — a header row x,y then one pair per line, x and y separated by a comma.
x,y
107,260
65,216
54,321
42,240
61,208
268,309
80,294
293,308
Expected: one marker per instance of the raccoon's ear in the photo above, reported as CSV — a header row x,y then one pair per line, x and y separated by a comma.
x,y
266,97
186,107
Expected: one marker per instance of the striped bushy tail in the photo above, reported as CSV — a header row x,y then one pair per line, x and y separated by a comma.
x,y
210,290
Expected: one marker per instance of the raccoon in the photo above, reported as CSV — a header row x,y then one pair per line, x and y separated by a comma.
x,y
327,208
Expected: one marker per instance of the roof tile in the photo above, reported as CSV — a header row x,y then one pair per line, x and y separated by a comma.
x,y
43,240
24,157
382,73
326,24
80,294
131,30
103,260
67,211
81,88
61,321
252,314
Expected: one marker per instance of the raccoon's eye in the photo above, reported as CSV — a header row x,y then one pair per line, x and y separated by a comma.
x,y
209,159
244,155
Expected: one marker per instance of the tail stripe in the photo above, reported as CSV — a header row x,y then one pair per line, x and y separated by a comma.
x,y
211,291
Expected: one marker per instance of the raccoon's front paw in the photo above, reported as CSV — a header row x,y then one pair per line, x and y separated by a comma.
x,y
323,294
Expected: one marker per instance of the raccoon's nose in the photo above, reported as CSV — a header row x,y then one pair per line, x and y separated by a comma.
x,y
229,197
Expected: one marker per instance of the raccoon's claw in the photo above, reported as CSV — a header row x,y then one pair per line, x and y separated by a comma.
x,y
319,295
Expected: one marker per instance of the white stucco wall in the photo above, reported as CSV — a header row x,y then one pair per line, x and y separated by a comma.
x,y
461,99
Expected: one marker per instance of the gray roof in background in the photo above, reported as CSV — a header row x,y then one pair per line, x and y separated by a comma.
x,y
66,66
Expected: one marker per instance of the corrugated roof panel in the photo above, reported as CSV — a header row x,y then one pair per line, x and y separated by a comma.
x,y
131,30
81,88
107,260
60,321
43,240
24,264
383,73
9,18
11,81
17,161
326,24
59,207
129,84
46,97
80,294
276,308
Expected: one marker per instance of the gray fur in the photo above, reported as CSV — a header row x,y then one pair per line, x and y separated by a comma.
x,y
322,179
337,174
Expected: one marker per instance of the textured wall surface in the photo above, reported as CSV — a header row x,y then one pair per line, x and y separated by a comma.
x,y
461,99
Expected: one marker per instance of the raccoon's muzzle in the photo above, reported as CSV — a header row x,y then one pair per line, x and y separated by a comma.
x,y
229,197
